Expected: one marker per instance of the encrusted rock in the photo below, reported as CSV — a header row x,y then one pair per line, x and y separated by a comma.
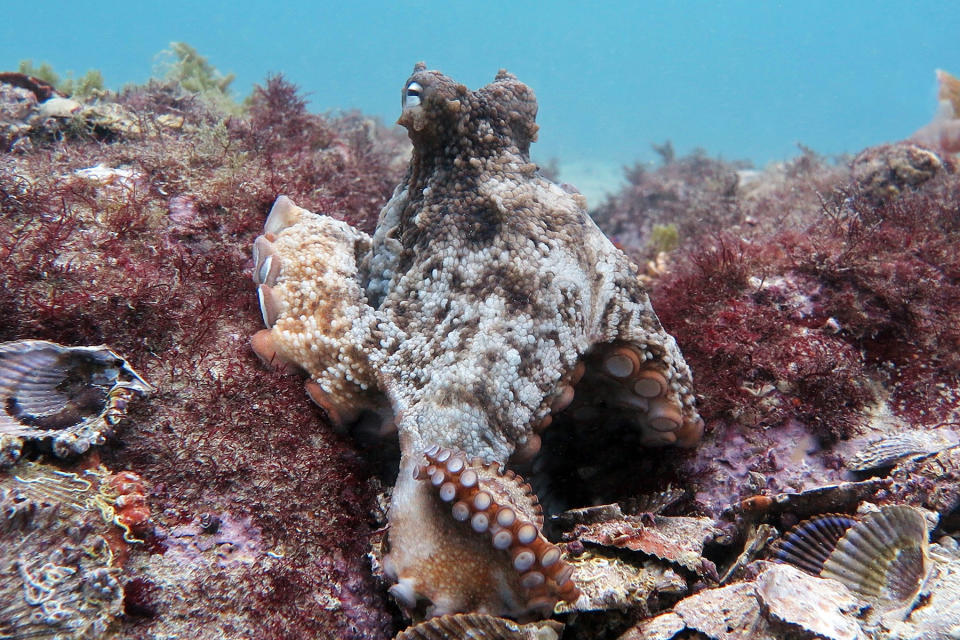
x,y
884,172
59,568
607,582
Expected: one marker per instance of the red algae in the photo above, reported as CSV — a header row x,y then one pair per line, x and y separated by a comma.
x,y
135,232
815,302
856,288
826,313
694,194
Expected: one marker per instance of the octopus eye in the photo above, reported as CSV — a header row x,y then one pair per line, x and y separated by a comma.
x,y
411,95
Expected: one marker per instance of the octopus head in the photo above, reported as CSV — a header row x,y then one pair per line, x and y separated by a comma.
x,y
442,116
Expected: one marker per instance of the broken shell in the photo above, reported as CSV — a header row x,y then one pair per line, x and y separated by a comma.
x,y
883,557
473,625
676,539
780,602
612,581
819,607
890,450
72,396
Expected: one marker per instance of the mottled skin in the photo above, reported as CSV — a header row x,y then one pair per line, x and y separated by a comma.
x,y
482,288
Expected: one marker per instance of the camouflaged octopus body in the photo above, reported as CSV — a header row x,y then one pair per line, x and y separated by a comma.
x,y
485,294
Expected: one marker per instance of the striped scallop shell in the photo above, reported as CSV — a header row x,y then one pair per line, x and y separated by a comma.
x,y
890,450
72,395
809,544
883,557
473,625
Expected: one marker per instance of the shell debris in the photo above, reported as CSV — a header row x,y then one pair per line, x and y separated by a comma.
x,y
893,449
474,625
676,539
782,602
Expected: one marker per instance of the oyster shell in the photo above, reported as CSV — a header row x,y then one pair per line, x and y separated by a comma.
x,y
882,557
780,602
70,396
473,625
676,539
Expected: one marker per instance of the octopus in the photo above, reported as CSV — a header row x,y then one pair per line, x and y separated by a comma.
x,y
485,303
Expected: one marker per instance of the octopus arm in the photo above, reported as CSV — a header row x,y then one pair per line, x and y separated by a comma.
x,y
314,307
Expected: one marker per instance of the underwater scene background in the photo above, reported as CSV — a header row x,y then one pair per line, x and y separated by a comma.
x,y
741,80
301,339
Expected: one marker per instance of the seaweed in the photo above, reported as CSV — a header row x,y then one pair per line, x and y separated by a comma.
x,y
140,240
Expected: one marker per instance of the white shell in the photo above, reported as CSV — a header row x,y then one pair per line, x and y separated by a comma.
x,y
884,558
475,625
890,450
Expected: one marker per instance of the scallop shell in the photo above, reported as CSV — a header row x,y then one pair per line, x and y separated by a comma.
x,y
890,450
71,396
809,544
882,557
473,625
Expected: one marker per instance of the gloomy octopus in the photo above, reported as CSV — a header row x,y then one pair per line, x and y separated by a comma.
x,y
484,296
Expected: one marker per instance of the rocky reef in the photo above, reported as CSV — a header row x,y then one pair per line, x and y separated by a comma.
x,y
126,221
815,302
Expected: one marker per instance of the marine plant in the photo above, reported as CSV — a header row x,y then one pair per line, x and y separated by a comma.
x,y
807,320
44,72
88,85
664,238
140,240
194,72
694,194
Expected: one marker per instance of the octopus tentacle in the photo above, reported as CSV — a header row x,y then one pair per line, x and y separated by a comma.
x,y
485,308
499,504
621,380
312,303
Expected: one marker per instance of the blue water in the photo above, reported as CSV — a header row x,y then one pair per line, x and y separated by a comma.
x,y
744,80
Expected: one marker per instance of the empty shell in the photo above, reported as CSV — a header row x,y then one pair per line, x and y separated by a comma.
x,y
69,396
892,449
882,557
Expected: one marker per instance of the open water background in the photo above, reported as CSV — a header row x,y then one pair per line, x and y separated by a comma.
x,y
743,80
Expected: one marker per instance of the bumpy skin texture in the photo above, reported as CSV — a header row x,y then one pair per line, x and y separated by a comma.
x,y
484,295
